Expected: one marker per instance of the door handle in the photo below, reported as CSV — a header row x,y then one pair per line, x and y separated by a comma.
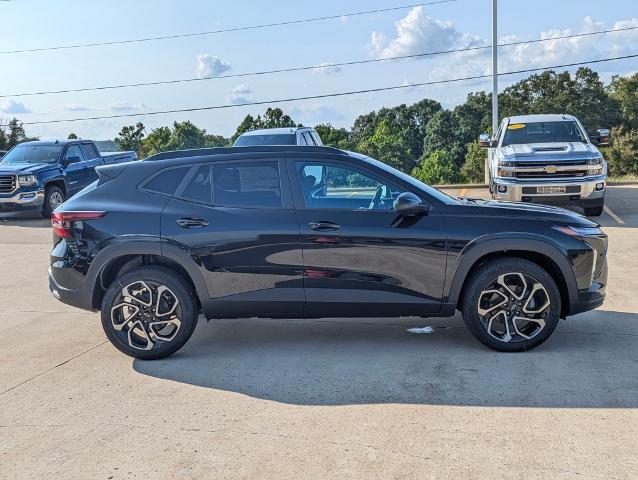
x,y
191,222
324,226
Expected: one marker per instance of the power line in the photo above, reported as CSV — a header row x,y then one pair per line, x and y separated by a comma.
x,y
329,95
228,30
311,67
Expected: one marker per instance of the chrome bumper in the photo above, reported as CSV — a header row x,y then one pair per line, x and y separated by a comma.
x,y
514,190
22,200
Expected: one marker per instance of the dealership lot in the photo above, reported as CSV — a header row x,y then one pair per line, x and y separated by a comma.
x,y
316,398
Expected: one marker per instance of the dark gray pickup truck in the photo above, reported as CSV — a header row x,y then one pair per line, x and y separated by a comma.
x,y
42,175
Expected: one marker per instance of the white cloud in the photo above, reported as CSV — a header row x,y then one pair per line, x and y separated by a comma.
x,y
418,33
73,107
326,68
240,94
210,66
11,106
127,107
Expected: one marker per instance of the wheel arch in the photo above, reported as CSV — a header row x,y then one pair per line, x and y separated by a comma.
x,y
118,259
546,255
57,182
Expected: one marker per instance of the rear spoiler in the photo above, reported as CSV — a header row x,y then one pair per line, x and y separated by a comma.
x,y
106,173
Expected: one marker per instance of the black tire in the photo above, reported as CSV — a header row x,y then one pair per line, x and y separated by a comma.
x,y
593,211
51,193
185,310
484,279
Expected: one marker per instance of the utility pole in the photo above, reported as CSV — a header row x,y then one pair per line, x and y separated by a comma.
x,y
494,67
494,87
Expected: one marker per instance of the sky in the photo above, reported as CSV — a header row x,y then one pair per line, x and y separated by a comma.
x,y
29,24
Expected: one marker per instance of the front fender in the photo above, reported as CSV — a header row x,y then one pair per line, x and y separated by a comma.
x,y
503,242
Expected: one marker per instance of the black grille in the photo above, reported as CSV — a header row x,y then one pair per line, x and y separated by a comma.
x,y
7,183
570,174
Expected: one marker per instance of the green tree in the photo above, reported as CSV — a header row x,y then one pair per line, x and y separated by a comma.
x,y
437,168
622,155
131,138
72,136
473,169
441,134
158,140
273,118
335,137
625,91
387,146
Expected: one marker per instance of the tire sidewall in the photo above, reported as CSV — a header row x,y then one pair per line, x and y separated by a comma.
x,y
178,286
484,277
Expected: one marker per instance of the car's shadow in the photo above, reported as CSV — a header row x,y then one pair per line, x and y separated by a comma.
x,y
584,364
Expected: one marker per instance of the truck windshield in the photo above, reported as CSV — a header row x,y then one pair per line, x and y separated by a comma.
x,y
252,140
543,132
32,154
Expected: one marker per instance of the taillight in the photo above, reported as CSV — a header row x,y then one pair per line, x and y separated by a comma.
x,y
63,221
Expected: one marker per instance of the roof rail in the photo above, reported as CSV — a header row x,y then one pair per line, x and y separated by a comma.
x,y
201,152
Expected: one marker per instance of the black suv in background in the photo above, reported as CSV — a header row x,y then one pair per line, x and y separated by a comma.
x,y
298,232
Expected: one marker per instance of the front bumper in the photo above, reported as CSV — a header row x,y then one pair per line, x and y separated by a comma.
x,y
22,200
577,192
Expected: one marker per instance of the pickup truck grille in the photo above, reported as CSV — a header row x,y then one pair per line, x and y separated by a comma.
x,y
551,170
7,183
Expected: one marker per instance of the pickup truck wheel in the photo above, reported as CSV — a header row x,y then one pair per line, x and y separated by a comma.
x,y
593,211
149,313
511,305
53,198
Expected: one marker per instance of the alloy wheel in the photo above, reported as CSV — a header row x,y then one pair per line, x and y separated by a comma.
x,y
55,200
514,307
146,315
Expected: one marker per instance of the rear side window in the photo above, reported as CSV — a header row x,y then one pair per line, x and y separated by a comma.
x,y
167,181
247,184
199,187
90,153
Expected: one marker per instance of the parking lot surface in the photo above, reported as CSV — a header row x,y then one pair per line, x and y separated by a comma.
x,y
317,398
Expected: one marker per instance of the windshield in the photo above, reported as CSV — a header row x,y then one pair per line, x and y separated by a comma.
x,y
543,132
32,154
433,192
252,140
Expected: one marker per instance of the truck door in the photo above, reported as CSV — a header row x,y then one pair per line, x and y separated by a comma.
x,y
92,160
75,169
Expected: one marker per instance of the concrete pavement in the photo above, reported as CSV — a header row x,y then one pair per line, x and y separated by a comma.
x,y
316,398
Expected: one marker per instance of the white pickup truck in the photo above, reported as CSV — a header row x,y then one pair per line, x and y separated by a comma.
x,y
547,159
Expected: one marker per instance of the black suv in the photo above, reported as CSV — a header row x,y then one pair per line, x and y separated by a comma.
x,y
299,232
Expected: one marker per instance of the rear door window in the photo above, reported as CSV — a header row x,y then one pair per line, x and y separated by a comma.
x,y
247,184
199,186
90,153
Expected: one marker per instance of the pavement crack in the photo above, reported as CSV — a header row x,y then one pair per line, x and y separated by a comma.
x,y
53,368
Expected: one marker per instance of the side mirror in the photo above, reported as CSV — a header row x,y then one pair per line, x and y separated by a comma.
x,y
601,139
408,205
69,160
485,141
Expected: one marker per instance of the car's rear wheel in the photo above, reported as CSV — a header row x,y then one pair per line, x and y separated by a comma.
x,y
149,312
511,305
53,198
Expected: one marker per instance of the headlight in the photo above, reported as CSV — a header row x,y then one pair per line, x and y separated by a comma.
x,y
579,231
27,180
506,163
505,173
595,161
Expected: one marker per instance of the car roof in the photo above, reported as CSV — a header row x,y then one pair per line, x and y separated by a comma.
x,y
275,131
55,142
229,152
552,117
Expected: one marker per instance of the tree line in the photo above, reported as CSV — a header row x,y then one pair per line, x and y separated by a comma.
x,y
435,144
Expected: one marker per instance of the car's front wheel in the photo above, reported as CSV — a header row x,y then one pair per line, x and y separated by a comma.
x,y
149,312
53,198
511,305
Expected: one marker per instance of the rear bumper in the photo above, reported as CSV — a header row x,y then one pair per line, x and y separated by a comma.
x,y
75,298
577,192
21,201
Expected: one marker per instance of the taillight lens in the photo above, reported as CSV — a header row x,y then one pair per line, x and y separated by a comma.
x,y
62,222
